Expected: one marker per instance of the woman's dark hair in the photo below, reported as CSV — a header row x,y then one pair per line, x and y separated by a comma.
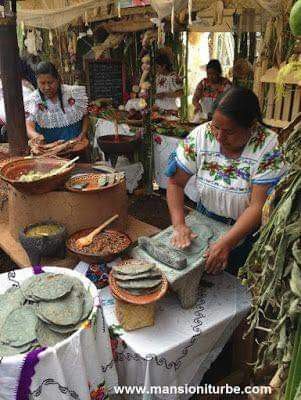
x,y
216,65
47,68
163,60
241,105
27,72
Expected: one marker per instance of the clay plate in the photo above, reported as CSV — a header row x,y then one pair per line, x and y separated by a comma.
x,y
91,179
94,258
143,299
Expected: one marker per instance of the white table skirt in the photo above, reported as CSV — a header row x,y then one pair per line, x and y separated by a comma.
x,y
163,147
182,344
77,368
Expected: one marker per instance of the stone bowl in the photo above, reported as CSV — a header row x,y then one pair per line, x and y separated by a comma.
x,y
12,171
52,245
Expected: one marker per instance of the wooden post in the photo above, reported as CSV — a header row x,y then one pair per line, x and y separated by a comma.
x,y
12,88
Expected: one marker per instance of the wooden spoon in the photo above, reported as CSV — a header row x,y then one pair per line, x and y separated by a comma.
x,y
87,240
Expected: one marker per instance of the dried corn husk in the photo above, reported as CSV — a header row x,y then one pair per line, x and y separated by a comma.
x,y
274,273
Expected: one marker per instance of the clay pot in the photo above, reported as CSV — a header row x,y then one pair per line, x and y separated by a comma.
x,y
124,145
44,246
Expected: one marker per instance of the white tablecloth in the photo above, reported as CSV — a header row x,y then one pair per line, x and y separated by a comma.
x,y
133,172
163,147
182,344
78,368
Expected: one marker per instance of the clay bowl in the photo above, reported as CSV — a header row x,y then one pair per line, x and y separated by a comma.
x,y
92,257
143,299
52,245
92,183
11,172
124,145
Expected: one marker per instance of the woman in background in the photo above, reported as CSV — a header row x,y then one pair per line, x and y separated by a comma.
x,y
209,89
169,85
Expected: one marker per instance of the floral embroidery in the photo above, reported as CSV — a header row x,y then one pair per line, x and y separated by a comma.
x,y
272,161
207,89
257,141
157,139
99,275
178,80
189,148
115,331
209,134
99,393
42,107
87,324
162,82
227,173
71,101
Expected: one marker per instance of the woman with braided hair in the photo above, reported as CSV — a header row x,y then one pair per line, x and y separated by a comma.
x,y
55,112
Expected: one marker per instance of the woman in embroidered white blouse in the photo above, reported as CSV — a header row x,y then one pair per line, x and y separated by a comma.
x,y
236,159
169,86
56,112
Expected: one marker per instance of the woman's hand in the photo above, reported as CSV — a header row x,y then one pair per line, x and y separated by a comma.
x,y
38,139
182,237
217,257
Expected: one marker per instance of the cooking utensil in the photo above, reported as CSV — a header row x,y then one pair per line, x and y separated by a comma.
x,y
87,240
65,166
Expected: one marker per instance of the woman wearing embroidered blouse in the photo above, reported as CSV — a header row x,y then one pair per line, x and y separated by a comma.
x,y
56,112
169,86
236,159
209,89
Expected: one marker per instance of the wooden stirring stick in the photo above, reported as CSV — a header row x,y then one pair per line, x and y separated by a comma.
x,y
87,240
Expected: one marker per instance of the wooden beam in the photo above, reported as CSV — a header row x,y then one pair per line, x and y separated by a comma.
x,y
12,88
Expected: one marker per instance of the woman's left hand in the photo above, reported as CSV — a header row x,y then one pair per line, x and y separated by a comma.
x,y
217,257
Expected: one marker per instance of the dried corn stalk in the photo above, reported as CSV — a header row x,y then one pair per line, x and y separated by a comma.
x,y
273,271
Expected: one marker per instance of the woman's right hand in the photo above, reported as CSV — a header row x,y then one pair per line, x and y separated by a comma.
x,y
38,139
182,236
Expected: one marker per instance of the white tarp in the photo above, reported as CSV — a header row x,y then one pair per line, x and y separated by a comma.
x,y
164,7
53,18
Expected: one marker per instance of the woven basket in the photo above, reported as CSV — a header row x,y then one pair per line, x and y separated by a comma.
x,y
133,317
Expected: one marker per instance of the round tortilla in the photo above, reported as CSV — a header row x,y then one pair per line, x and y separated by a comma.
x,y
133,267
19,327
47,337
63,311
46,286
153,273
141,284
